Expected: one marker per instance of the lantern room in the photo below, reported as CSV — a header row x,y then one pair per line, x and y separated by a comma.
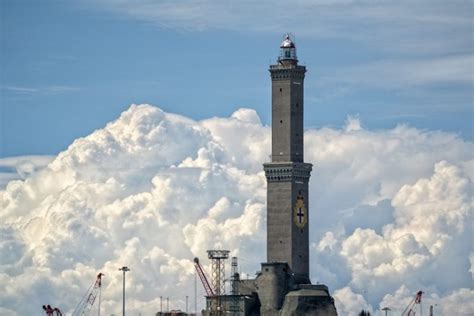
x,y
288,50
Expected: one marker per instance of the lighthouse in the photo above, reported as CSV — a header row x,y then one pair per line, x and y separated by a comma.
x,y
287,174
283,284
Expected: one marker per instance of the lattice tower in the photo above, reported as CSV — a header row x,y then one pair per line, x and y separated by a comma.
x,y
234,279
218,258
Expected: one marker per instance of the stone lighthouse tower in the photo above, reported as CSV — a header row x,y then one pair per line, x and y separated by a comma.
x,y
287,174
283,285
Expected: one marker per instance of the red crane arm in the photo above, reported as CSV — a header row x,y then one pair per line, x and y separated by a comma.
x,y
411,308
85,305
418,297
203,277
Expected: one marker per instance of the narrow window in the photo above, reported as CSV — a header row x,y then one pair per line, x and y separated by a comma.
x,y
280,89
281,122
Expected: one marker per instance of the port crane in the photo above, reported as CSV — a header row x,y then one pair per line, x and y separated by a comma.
x,y
202,276
410,310
85,305
210,292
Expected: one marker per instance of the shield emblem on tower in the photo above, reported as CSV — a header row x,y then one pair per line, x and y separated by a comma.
x,y
300,214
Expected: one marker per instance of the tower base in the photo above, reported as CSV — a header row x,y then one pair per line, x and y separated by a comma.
x,y
280,293
310,300
275,293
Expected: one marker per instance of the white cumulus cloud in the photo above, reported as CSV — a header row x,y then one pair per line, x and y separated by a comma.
x,y
391,213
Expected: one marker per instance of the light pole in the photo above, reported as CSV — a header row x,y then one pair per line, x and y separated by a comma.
x,y
386,309
124,269
186,304
195,291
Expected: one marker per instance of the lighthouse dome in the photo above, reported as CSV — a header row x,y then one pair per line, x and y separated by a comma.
x,y
287,42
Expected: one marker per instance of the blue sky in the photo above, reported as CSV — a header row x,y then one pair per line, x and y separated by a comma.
x,y
69,67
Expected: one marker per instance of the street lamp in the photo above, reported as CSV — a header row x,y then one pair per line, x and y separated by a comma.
x,y
124,269
386,309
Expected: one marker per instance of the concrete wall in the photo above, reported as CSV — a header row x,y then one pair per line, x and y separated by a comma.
x,y
273,284
309,302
